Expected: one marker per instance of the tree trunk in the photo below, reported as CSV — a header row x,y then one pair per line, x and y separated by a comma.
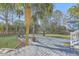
x,y
19,31
6,29
43,33
28,20
6,20
33,38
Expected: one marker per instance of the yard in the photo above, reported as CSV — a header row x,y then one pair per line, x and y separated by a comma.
x,y
9,41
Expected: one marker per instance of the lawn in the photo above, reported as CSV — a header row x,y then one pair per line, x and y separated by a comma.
x,y
58,36
9,41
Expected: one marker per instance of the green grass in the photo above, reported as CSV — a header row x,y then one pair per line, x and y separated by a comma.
x,y
8,41
66,44
58,36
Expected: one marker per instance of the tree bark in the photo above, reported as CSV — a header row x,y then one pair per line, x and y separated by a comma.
x,y
6,20
6,29
43,33
28,20
33,38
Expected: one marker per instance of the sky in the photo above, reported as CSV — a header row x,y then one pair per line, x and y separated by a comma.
x,y
63,6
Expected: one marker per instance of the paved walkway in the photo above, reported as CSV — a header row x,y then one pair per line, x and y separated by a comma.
x,y
45,46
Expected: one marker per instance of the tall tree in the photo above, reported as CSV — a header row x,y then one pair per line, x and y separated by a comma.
x,y
42,11
57,14
74,13
28,20
5,9
19,11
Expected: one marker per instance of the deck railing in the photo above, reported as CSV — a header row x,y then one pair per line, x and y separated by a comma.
x,y
74,38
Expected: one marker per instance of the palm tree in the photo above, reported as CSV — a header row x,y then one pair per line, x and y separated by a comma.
x,y
34,21
42,11
19,12
28,20
74,13
46,12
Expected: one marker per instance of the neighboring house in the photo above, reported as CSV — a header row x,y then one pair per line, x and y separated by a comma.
x,y
72,25
74,33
